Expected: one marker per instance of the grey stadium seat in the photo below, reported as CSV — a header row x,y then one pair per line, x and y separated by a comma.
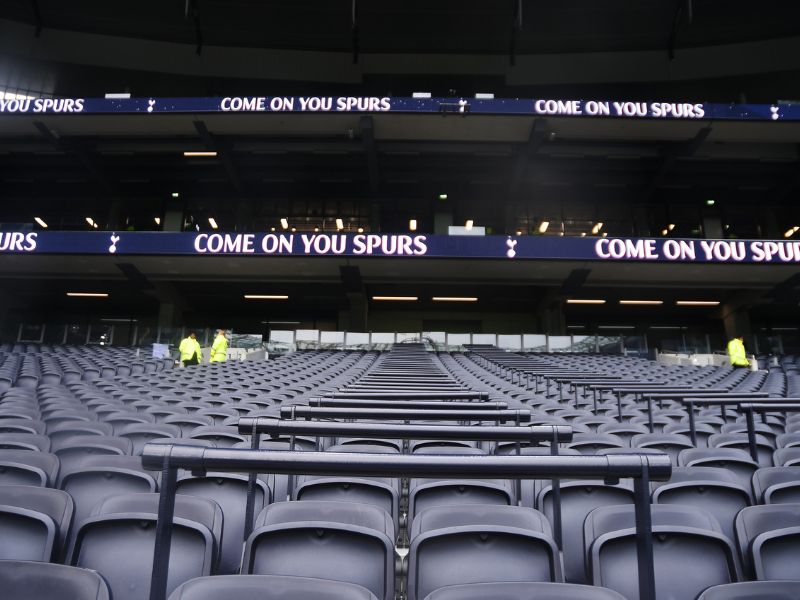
x,y
117,540
691,553
23,467
777,485
268,587
26,580
769,540
753,590
341,541
452,545
34,522
523,591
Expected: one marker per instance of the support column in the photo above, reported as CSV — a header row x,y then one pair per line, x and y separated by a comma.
x,y
169,315
736,320
173,216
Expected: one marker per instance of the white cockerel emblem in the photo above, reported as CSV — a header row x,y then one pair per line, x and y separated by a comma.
x,y
113,247
511,244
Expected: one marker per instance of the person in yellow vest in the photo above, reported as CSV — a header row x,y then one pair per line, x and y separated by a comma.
x,y
737,354
219,349
190,350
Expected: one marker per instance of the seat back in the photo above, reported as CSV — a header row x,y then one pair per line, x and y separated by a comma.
x,y
268,587
24,580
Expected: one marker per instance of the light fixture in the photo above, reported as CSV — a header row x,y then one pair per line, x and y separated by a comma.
x,y
616,326
442,196
339,224
90,221
212,221
175,194
157,220
265,297
597,227
543,226
294,229
664,232
671,226
519,232
412,224
360,230
697,302
272,229
454,299
585,301
605,234
316,229
468,225
285,223
396,298
41,223
791,231
87,295
198,154
583,234
710,202
643,302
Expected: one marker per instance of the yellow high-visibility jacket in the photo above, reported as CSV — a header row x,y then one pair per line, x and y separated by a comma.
x,y
219,349
189,348
737,354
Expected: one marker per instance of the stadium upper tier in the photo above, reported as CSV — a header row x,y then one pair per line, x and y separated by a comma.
x,y
75,490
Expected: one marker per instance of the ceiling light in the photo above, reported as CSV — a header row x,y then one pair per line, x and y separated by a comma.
x,y
360,230
196,154
664,232
605,234
272,229
40,222
697,302
175,194
616,326
213,223
95,225
265,297
468,225
643,302
285,223
671,226
442,196
157,220
710,202
543,226
339,224
90,221
791,231
294,229
454,299
412,224
316,229
584,301
87,295
583,234
597,227
396,298
519,232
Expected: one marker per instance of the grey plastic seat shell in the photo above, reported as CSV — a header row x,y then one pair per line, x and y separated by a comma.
x,y
768,537
469,544
27,580
268,587
753,590
691,552
529,590
343,541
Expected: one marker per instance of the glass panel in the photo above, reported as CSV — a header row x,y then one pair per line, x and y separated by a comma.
x,y
31,332
100,333
534,342
609,344
76,334
559,343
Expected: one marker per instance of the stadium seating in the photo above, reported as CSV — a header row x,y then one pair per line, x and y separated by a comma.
x,y
72,488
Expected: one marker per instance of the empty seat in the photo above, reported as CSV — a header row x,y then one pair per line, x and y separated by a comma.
x,y
33,522
776,485
26,580
117,540
63,430
229,490
268,587
769,540
141,433
23,467
578,499
753,590
690,551
735,460
21,426
453,545
341,541
784,457
528,590
716,490
25,441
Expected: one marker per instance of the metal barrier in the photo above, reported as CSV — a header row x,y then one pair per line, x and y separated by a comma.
x,y
410,404
298,411
680,395
642,468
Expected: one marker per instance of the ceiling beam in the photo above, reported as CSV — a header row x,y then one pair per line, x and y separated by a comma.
x,y
224,154
670,156
37,18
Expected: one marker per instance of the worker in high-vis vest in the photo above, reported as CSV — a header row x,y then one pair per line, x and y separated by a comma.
x,y
190,350
219,349
736,353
